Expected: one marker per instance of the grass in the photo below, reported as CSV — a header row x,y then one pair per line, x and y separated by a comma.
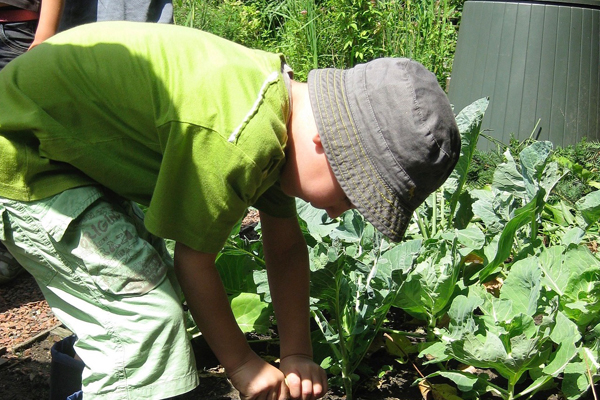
x,y
334,33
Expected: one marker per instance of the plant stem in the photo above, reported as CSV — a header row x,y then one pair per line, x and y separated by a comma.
x,y
442,213
271,340
344,351
236,249
431,328
435,214
511,387
402,333
534,228
422,226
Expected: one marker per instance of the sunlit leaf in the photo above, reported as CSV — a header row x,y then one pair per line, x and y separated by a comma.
x,y
251,314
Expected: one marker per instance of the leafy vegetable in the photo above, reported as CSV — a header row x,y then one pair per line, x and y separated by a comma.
x,y
355,280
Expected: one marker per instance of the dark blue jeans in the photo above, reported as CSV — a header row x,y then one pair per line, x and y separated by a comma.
x,y
15,38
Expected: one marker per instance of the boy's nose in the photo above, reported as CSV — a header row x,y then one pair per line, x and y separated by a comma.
x,y
335,212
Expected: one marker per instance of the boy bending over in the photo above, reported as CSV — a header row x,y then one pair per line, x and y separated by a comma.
x,y
197,128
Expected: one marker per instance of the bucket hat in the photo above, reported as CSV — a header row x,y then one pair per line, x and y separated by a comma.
x,y
389,134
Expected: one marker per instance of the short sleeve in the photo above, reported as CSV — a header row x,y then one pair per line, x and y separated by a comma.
x,y
276,203
204,186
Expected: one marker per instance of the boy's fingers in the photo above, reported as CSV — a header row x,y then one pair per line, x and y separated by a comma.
x,y
294,385
284,393
307,382
318,389
323,387
307,389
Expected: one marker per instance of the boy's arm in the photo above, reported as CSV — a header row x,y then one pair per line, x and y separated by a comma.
x,y
50,13
207,300
288,269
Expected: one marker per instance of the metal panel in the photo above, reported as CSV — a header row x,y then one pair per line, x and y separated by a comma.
x,y
536,61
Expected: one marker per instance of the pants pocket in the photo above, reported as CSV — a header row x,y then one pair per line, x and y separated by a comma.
x,y
17,36
116,250
85,235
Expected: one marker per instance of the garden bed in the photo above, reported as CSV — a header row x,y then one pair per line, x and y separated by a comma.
x,y
25,362
25,368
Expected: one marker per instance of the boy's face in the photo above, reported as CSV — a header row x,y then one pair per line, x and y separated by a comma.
x,y
327,195
307,173
314,182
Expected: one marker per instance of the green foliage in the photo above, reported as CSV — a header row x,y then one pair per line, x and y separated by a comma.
x,y
360,29
431,284
356,275
535,327
333,33
573,274
240,21
423,30
583,162
541,323
251,314
241,268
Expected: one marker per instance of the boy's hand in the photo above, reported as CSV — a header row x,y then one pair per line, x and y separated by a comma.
x,y
256,379
305,379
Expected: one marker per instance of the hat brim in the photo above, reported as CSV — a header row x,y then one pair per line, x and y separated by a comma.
x,y
350,158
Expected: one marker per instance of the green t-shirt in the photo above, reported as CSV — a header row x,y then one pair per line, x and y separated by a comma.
x,y
189,124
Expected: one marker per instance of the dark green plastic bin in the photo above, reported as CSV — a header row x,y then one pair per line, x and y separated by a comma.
x,y
535,61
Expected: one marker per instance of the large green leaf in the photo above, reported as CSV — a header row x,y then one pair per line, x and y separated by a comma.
x,y
481,352
485,208
508,178
589,209
573,235
555,273
351,228
431,284
579,259
581,301
522,216
469,125
533,160
550,177
576,376
236,272
471,237
461,316
251,313
496,310
523,285
566,336
317,221
394,264
474,385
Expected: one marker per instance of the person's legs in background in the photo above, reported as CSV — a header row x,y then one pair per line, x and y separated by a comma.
x,y
15,38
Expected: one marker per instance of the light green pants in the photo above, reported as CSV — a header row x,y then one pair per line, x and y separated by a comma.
x,y
112,283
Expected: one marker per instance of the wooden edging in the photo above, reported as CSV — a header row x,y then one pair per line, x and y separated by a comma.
x,y
38,337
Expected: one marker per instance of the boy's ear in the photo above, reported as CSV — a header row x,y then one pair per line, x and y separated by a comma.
x,y
317,140
318,144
